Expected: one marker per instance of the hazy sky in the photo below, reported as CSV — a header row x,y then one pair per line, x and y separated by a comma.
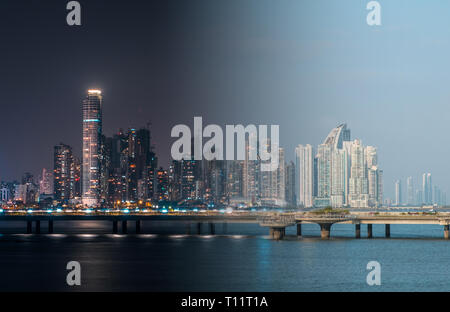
x,y
305,65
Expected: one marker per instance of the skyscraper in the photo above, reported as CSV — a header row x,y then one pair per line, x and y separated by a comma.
x,y
398,193
46,182
304,174
339,177
63,163
410,191
323,175
250,174
290,184
92,134
358,183
427,188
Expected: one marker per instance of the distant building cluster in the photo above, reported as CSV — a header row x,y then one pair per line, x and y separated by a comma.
x,y
342,173
419,194
123,170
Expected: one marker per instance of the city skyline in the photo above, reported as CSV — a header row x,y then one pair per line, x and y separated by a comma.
x,y
124,169
92,127
304,71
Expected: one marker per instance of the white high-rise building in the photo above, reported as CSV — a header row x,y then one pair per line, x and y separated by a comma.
x,y
304,173
410,191
398,193
371,156
323,160
374,177
358,183
339,177
427,189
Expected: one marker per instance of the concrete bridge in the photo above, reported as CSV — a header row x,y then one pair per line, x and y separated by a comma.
x,y
326,221
276,222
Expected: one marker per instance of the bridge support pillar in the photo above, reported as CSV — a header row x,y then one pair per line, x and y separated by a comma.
x,y
212,228
369,231
199,228
299,230
277,233
388,230
38,227
115,227
446,231
138,226
358,230
188,228
124,227
29,227
224,228
50,226
325,229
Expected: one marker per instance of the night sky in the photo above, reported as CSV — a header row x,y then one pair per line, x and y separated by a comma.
x,y
304,65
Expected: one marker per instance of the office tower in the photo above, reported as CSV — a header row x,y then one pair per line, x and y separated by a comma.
x,y
162,182
371,156
339,177
132,170
374,177
419,197
375,186
291,200
272,187
380,187
188,185
215,180
398,193
332,161
92,134
5,194
323,175
62,173
304,175
46,182
410,191
234,187
427,188
436,195
280,172
105,167
26,193
358,183
250,174
115,160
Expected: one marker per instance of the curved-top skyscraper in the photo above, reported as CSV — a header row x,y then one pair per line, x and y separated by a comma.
x,y
92,131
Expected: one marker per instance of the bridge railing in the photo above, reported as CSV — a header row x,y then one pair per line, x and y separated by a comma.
x,y
327,216
277,220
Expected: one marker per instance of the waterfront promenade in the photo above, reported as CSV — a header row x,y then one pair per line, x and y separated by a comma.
x,y
275,222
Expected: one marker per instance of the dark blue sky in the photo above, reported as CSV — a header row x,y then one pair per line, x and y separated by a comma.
x,y
305,65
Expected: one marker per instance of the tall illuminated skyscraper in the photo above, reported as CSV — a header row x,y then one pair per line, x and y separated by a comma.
x,y
92,132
